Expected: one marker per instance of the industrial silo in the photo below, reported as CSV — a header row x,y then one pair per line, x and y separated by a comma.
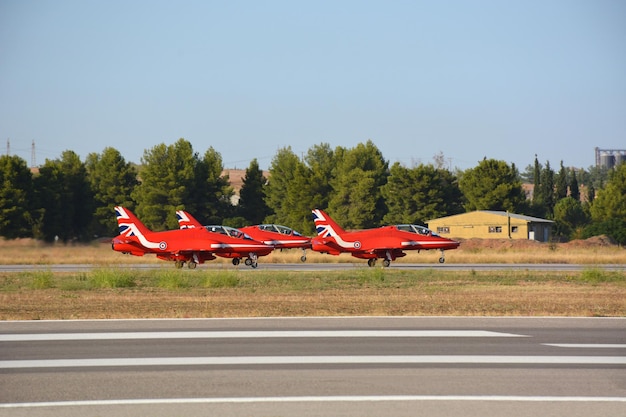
x,y
607,160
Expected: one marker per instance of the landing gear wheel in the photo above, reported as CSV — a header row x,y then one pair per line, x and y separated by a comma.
x,y
236,261
303,258
179,264
371,262
248,261
442,260
254,264
192,265
386,263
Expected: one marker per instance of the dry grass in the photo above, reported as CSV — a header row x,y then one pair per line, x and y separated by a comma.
x,y
363,291
533,300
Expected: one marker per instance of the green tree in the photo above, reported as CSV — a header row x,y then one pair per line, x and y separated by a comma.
x,y
608,209
64,194
595,176
321,162
570,218
537,197
211,202
302,199
357,201
615,228
112,181
168,183
610,202
282,191
561,184
353,204
252,206
16,198
528,175
547,190
492,185
574,188
419,194
591,193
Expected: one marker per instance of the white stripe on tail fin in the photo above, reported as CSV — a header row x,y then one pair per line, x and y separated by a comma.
x,y
186,220
325,225
130,226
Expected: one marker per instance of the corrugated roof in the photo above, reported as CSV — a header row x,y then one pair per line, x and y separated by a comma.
x,y
501,213
517,216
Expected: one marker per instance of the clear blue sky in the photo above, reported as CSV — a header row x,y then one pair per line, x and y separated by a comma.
x,y
470,79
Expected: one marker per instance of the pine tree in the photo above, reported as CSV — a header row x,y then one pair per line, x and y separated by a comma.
x,y
421,193
168,183
547,189
64,194
492,185
252,206
281,193
561,184
112,181
16,198
574,188
211,202
357,200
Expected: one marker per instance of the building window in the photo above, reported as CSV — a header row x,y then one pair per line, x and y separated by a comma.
x,y
443,229
513,229
495,229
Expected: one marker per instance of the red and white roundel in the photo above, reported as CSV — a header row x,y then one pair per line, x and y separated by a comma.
x,y
162,245
357,245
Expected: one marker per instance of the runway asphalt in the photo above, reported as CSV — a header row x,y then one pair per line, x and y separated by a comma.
x,y
358,366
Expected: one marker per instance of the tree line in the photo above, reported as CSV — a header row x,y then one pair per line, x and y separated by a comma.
x,y
71,200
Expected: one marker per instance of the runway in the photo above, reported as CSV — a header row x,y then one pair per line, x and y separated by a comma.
x,y
357,366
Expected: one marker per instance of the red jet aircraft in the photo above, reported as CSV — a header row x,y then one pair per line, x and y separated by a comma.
x,y
281,237
237,244
193,246
387,242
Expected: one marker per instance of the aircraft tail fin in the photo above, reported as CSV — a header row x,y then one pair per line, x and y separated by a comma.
x,y
325,225
187,221
128,223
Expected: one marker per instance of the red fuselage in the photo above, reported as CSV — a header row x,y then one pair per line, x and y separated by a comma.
x,y
277,236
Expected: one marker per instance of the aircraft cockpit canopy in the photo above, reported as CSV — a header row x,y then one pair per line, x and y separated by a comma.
x,y
414,228
276,228
228,231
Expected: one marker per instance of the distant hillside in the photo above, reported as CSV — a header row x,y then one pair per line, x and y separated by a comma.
x,y
236,176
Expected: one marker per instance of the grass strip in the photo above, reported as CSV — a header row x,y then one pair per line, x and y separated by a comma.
x,y
114,293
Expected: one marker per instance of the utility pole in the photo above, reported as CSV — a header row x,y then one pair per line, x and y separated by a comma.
x,y
33,162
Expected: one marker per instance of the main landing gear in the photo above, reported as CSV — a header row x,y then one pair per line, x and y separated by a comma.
x,y
442,258
190,264
372,262
251,260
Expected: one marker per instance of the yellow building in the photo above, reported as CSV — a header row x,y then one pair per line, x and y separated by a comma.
x,y
492,225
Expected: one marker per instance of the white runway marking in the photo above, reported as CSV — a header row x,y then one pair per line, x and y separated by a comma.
x,y
345,398
316,360
250,335
588,345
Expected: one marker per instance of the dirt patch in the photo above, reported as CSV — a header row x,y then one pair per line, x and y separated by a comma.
x,y
525,244
602,241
